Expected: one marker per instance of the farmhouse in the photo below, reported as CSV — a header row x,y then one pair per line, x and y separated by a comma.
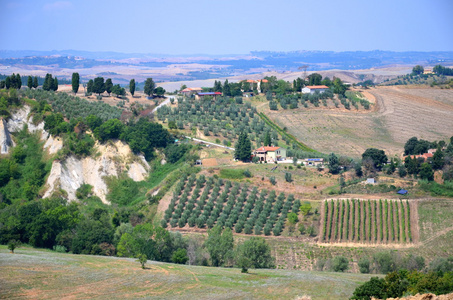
x,y
425,156
257,82
188,92
270,154
311,89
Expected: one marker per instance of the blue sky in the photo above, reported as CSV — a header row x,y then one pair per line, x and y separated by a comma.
x,y
226,27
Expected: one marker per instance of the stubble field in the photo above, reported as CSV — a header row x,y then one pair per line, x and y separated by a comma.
x,y
399,114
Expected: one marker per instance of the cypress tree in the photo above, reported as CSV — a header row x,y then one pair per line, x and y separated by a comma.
x,y
35,82
30,82
75,82
267,139
55,84
243,149
48,82
132,86
18,81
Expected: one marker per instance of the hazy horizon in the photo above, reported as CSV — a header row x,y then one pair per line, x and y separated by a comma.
x,y
204,27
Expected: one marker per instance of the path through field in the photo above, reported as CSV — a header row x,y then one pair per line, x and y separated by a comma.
x,y
399,114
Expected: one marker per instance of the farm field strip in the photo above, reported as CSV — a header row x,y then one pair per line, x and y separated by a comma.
x,y
368,221
204,202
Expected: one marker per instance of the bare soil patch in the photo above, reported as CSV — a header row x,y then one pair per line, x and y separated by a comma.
x,y
209,162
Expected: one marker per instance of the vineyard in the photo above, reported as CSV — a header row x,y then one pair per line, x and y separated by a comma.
x,y
366,221
204,202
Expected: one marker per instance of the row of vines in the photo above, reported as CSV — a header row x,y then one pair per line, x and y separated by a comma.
x,y
366,221
204,202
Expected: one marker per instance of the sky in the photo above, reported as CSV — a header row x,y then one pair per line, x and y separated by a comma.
x,y
226,27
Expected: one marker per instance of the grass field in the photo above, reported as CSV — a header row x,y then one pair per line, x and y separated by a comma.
x,y
42,274
400,113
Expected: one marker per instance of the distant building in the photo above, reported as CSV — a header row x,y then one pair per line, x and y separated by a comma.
x,y
370,181
214,95
257,82
311,89
188,92
425,156
313,161
270,154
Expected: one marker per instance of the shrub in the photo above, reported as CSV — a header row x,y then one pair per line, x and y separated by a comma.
x,y
288,177
292,218
180,256
340,264
272,180
364,265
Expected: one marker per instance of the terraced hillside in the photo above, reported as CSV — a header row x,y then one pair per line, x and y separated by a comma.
x,y
202,203
399,114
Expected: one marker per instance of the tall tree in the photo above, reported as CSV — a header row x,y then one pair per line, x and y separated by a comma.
x,y
55,84
108,85
334,164
377,156
314,79
48,82
438,159
217,86
30,82
90,85
18,81
159,91
417,70
132,87
118,90
338,87
267,139
220,245
426,172
8,82
255,253
149,87
75,82
98,85
226,88
35,82
243,149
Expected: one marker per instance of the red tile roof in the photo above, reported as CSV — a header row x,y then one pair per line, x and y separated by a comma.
x,y
267,149
191,89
